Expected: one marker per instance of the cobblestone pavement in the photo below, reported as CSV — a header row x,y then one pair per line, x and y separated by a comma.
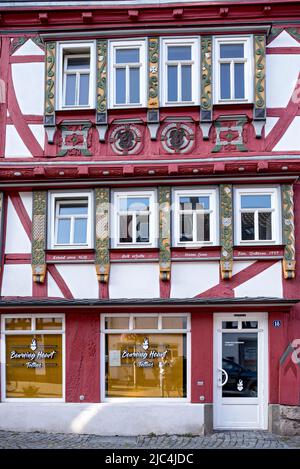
x,y
230,439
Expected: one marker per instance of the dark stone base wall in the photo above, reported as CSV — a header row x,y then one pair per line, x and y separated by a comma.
x,y
284,420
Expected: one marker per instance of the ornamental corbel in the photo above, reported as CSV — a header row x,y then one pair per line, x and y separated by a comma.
x,y
101,98
153,87
206,86
102,259
39,220
226,231
50,79
289,255
164,200
259,111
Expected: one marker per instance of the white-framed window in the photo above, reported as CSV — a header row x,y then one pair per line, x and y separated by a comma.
x,y
76,63
33,357
257,215
70,216
195,217
180,64
134,219
233,69
146,356
127,67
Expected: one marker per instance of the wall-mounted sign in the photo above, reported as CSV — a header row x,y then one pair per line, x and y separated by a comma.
x,y
277,323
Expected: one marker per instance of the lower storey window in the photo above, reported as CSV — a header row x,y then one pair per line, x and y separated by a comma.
x,y
146,360
33,357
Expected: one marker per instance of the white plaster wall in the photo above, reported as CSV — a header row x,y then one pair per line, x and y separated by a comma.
x,y
103,419
53,289
16,240
238,266
39,133
267,283
27,201
270,123
28,80
189,279
17,280
290,140
81,279
284,39
29,48
134,280
282,72
14,146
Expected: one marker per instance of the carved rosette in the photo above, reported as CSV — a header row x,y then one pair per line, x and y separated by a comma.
x,y
101,77
39,219
153,48
230,134
75,140
260,77
206,78
126,139
102,262
226,231
49,117
289,257
164,200
177,138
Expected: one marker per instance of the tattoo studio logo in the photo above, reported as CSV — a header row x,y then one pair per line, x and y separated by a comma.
x,y
145,344
33,345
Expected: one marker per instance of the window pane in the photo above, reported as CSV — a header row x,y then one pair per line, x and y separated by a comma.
x,y
70,90
186,83
140,365
80,230
63,231
115,322
134,85
72,209
203,228
172,83
142,228
125,228
229,324
174,322
84,84
48,323
34,366
249,324
225,81
144,322
265,225
179,52
247,226
120,86
186,227
194,203
78,63
134,204
13,324
256,201
239,81
124,56
231,51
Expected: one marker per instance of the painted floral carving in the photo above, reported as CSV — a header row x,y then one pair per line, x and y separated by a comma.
x,y
230,134
75,140
177,138
126,139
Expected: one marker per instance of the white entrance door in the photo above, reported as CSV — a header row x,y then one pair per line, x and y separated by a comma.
x,y
241,371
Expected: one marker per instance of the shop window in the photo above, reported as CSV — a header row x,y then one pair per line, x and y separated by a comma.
x,y
33,357
70,216
257,216
147,359
127,73
180,65
76,71
195,217
233,69
134,219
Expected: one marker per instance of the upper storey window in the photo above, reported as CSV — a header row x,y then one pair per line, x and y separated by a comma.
x,y
180,68
233,69
76,66
127,71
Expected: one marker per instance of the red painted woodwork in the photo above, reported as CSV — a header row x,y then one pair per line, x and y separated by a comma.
x,y
202,357
83,356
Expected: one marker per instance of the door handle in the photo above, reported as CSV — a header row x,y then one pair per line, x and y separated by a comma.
x,y
221,381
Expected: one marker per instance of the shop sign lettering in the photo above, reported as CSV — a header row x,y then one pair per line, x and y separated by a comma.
x,y
145,355
33,355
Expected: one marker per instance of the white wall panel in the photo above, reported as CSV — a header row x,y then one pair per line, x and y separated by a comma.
x,y
290,140
136,280
282,72
81,279
238,266
17,280
16,240
267,283
28,79
189,279
53,290
14,146
284,39
27,201
39,133
270,122
29,48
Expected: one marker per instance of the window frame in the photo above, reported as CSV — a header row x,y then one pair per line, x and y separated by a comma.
x,y
32,331
117,195
159,330
68,197
276,218
212,193
248,60
112,66
68,49
194,42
